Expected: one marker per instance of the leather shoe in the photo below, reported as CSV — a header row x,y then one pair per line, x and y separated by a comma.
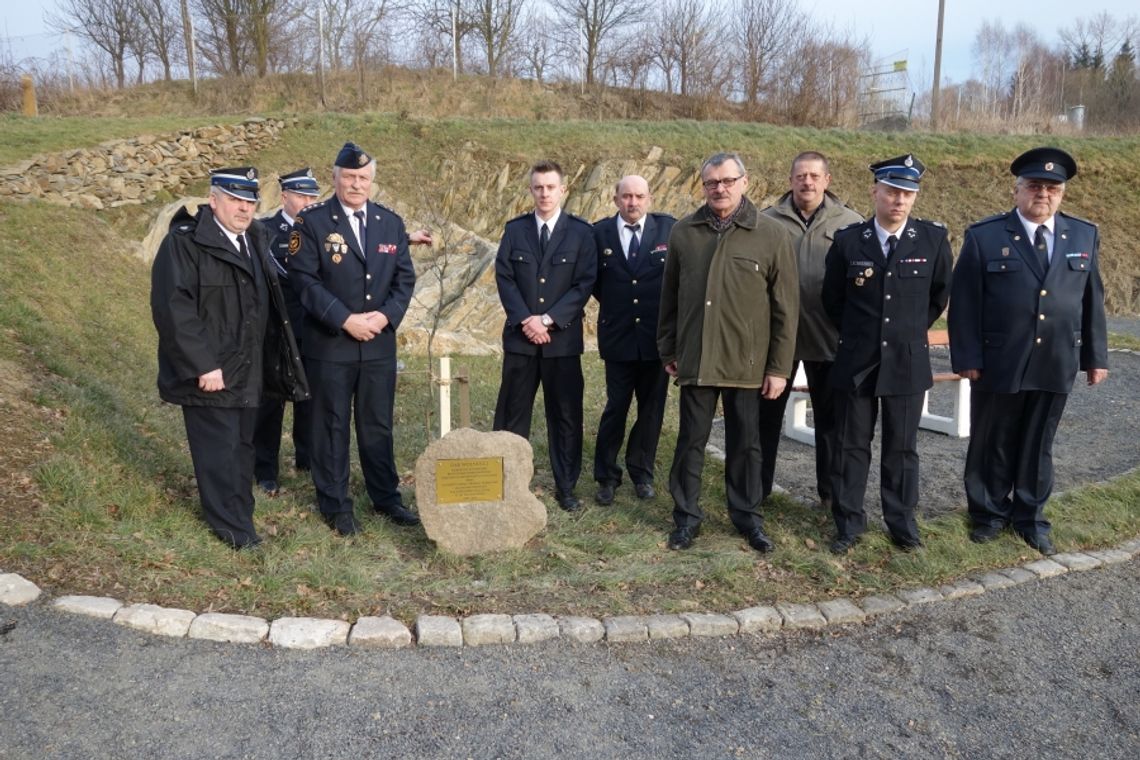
x,y
568,501
399,514
759,541
344,523
1040,542
644,490
269,486
605,495
683,537
842,543
983,534
906,544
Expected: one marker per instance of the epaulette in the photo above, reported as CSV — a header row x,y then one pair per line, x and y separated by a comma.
x,y
385,208
311,207
989,220
931,222
184,228
662,215
1078,219
521,216
853,225
576,218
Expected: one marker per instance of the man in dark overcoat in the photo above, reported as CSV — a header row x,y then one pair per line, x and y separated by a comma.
x,y
886,281
354,276
632,246
1026,313
223,342
545,270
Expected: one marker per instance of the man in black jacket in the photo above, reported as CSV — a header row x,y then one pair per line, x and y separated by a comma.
x,y
632,245
298,190
222,337
545,271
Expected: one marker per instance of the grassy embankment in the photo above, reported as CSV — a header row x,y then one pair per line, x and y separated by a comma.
x,y
111,507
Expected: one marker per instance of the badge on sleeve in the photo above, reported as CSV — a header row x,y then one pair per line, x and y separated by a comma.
x,y
294,242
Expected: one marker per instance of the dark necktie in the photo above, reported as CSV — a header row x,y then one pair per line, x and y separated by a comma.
x,y
892,241
634,243
1042,247
241,246
360,230
544,238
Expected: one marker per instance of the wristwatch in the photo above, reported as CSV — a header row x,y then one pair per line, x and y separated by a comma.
x,y
546,320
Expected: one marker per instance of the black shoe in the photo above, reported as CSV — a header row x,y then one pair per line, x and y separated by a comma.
x,y
299,467
683,537
399,514
842,543
344,523
568,501
907,544
759,541
644,490
1040,542
269,486
249,544
982,534
605,495
825,503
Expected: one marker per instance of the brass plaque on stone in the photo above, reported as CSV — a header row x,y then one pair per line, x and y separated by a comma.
x,y
462,480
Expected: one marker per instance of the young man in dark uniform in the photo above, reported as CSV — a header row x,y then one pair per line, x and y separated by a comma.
x,y
223,341
545,270
354,276
886,281
1026,313
298,190
632,246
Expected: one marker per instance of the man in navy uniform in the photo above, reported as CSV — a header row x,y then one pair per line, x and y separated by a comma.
x,y
1026,312
886,281
545,271
354,276
298,190
632,246
223,342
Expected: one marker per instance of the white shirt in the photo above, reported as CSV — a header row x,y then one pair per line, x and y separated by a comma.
x,y
232,237
553,220
883,235
1031,231
361,234
626,234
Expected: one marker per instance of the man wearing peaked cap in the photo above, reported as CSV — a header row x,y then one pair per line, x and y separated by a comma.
x,y
886,281
221,349
354,276
1026,314
298,190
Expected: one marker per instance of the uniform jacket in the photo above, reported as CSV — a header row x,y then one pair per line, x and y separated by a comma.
x,y
729,301
278,231
214,308
1023,328
816,336
334,279
883,308
558,284
629,294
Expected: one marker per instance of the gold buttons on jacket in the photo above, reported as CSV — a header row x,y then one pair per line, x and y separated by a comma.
x,y
1044,292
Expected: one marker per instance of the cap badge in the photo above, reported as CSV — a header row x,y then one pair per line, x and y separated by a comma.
x,y
251,174
1049,166
308,172
908,162
362,160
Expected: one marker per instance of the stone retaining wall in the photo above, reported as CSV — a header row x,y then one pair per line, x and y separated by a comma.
x,y
134,170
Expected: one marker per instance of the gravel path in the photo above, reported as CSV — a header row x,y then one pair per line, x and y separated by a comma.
x,y
1044,669
1097,439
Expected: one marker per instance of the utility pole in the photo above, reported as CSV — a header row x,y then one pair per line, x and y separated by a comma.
x,y
934,91
455,41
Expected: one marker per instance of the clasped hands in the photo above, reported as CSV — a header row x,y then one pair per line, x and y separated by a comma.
x,y
536,332
365,326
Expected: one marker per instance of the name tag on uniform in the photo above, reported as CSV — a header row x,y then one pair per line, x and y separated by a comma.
x,y
386,248
1081,255
913,261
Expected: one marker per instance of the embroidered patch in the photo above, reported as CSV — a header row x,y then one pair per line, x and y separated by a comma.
x,y
294,242
661,248
1081,255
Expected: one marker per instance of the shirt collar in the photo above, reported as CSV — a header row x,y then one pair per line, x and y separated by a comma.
x,y
232,237
1031,227
883,234
549,222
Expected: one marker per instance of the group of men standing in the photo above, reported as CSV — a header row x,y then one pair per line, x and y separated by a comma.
x,y
727,302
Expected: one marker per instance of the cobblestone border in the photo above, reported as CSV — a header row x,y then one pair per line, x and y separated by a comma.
x,y
484,630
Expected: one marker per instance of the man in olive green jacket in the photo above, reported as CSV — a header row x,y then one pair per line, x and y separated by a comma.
x,y
811,214
726,330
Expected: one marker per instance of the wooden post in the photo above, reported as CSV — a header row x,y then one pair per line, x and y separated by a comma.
x,y
30,108
464,381
444,396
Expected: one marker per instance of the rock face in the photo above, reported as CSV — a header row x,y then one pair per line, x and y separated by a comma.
x,y
477,527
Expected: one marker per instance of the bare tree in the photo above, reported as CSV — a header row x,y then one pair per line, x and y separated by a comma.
x,y
539,50
595,21
686,53
763,31
367,42
109,25
220,39
496,27
451,19
257,24
161,21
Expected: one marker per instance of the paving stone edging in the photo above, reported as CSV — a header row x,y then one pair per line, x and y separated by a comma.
x,y
497,629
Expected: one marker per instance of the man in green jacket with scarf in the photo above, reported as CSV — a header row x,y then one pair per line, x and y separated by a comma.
x,y
727,331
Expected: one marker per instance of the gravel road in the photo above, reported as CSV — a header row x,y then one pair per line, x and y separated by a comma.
x,y
1044,669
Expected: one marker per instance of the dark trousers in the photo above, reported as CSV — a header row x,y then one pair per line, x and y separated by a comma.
x,y
267,438
823,414
855,416
221,447
562,387
649,383
1009,462
742,455
364,393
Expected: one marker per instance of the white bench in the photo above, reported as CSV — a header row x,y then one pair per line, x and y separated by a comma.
x,y
956,425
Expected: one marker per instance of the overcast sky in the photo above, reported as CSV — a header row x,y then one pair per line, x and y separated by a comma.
x,y
895,29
